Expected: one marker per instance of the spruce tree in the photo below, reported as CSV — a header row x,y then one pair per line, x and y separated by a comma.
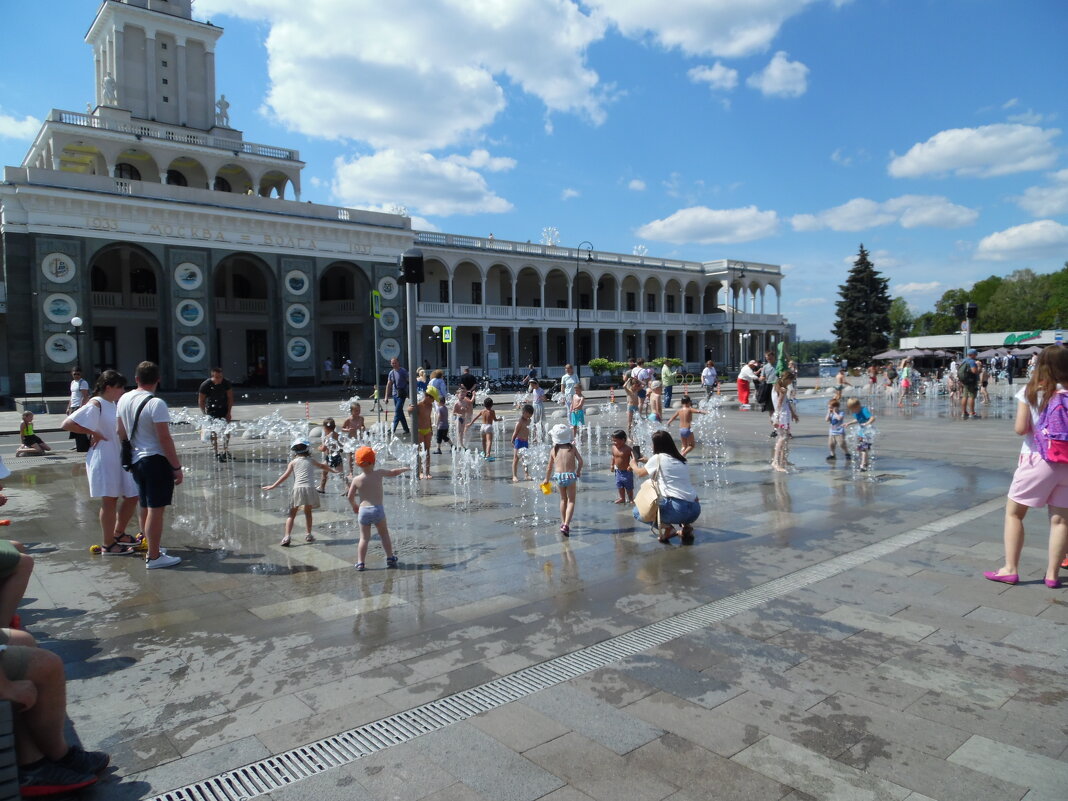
x,y
863,323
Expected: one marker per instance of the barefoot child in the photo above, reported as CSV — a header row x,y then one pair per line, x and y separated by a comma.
x,y
685,417
862,418
32,445
302,468
783,414
578,411
353,426
442,416
521,440
633,401
621,466
537,400
486,418
836,433
331,446
565,467
462,410
656,402
371,511
423,411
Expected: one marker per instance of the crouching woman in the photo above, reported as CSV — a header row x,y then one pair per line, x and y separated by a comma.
x,y
679,505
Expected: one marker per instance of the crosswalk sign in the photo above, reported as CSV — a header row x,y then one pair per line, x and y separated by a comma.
x,y
446,333
376,304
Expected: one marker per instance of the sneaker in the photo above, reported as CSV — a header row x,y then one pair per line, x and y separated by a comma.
x,y
831,458
81,761
42,778
391,562
163,560
1063,564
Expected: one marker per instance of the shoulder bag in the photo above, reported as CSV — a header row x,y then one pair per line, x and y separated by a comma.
x,y
126,457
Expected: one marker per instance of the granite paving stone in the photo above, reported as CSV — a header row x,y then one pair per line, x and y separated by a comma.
x,y
592,718
816,774
518,726
813,732
707,728
965,685
708,691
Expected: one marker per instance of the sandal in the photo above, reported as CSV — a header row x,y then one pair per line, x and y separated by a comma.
x,y
117,549
309,538
565,530
285,541
687,533
360,566
666,533
391,562
122,538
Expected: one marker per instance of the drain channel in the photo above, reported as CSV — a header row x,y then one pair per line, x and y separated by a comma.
x,y
276,772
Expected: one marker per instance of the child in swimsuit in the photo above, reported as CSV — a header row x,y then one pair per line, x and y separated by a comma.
x,y
423,411
487,417
537,400
782,415
371,511
633,401
565,467
578,413
685,417
622,455
863,419
462,409
352,427
302,468
331,446
31,443
521,440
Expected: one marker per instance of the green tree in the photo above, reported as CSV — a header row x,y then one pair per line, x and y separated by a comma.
x,y
900,320
1016,305
863,322
812,349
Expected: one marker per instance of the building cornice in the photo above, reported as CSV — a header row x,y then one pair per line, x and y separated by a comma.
x,y
152,21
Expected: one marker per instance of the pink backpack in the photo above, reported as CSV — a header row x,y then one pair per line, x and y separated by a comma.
x,y
1051,433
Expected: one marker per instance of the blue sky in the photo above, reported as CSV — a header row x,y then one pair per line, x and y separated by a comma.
x,y
781,131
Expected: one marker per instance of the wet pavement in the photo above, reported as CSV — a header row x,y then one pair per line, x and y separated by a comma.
x,y
902,675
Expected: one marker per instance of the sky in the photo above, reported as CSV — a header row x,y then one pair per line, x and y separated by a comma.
x,y
787,132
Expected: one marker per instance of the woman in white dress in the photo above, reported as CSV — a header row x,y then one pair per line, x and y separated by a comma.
x,y
107,480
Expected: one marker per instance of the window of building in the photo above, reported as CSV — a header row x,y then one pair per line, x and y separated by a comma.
x,y
127,172
632,301
164,81
561,350
688,304
650,302
221,184
163,45
175,178
166,99
476,292
476,349
671,304
163,63
584,301
443,291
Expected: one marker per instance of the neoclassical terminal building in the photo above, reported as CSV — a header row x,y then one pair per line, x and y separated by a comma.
x,y
145,226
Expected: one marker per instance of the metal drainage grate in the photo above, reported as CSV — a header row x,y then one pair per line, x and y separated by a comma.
x,y
278,771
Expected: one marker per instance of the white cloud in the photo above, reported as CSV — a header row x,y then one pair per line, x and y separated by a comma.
x,y
481,160
717,76
1011,103
781,78
13,128
725,28
418,180
981,152
838,157
916,288
909,211
569,193
1047,201
1029,117
802,302
419,74
636,185
705,226
1036,240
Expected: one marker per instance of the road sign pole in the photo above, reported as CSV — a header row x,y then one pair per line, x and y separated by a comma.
x,y
375,314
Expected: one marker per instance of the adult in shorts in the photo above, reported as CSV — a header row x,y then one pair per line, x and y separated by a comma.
x,y
79,395
216,400
156,467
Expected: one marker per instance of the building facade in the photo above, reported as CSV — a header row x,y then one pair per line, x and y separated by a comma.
x,y
147,227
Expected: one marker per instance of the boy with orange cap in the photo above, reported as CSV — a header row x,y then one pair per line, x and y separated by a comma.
x,y
371,509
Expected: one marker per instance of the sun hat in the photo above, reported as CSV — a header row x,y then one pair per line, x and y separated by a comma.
x,y
365,457
560,434
433,392
300,444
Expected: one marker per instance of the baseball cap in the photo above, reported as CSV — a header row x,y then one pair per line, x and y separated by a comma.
x,y
365,456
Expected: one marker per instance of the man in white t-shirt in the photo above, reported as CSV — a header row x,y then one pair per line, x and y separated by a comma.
x,y
145,421
709,378
79,396
567,385
641,377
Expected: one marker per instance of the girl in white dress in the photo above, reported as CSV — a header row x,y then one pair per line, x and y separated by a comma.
x,y
107,480
302,468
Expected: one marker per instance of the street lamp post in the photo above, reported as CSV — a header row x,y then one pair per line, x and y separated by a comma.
x,y
730,286
578,305
76,331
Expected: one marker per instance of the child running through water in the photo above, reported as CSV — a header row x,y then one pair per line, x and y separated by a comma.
x,y
331,446
577,417
462,409
836,432
633,401
863,419
487,417
32,445
423,411
656,402
565,468
783,413
442,416
353,426
302,468
1037,482
521,440
685,417
537,400
371,510
622,466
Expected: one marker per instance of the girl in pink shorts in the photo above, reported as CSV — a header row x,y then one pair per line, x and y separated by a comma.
x,y
1037,482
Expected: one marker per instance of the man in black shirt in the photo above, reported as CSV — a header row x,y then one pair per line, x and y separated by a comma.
x,y
217,401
